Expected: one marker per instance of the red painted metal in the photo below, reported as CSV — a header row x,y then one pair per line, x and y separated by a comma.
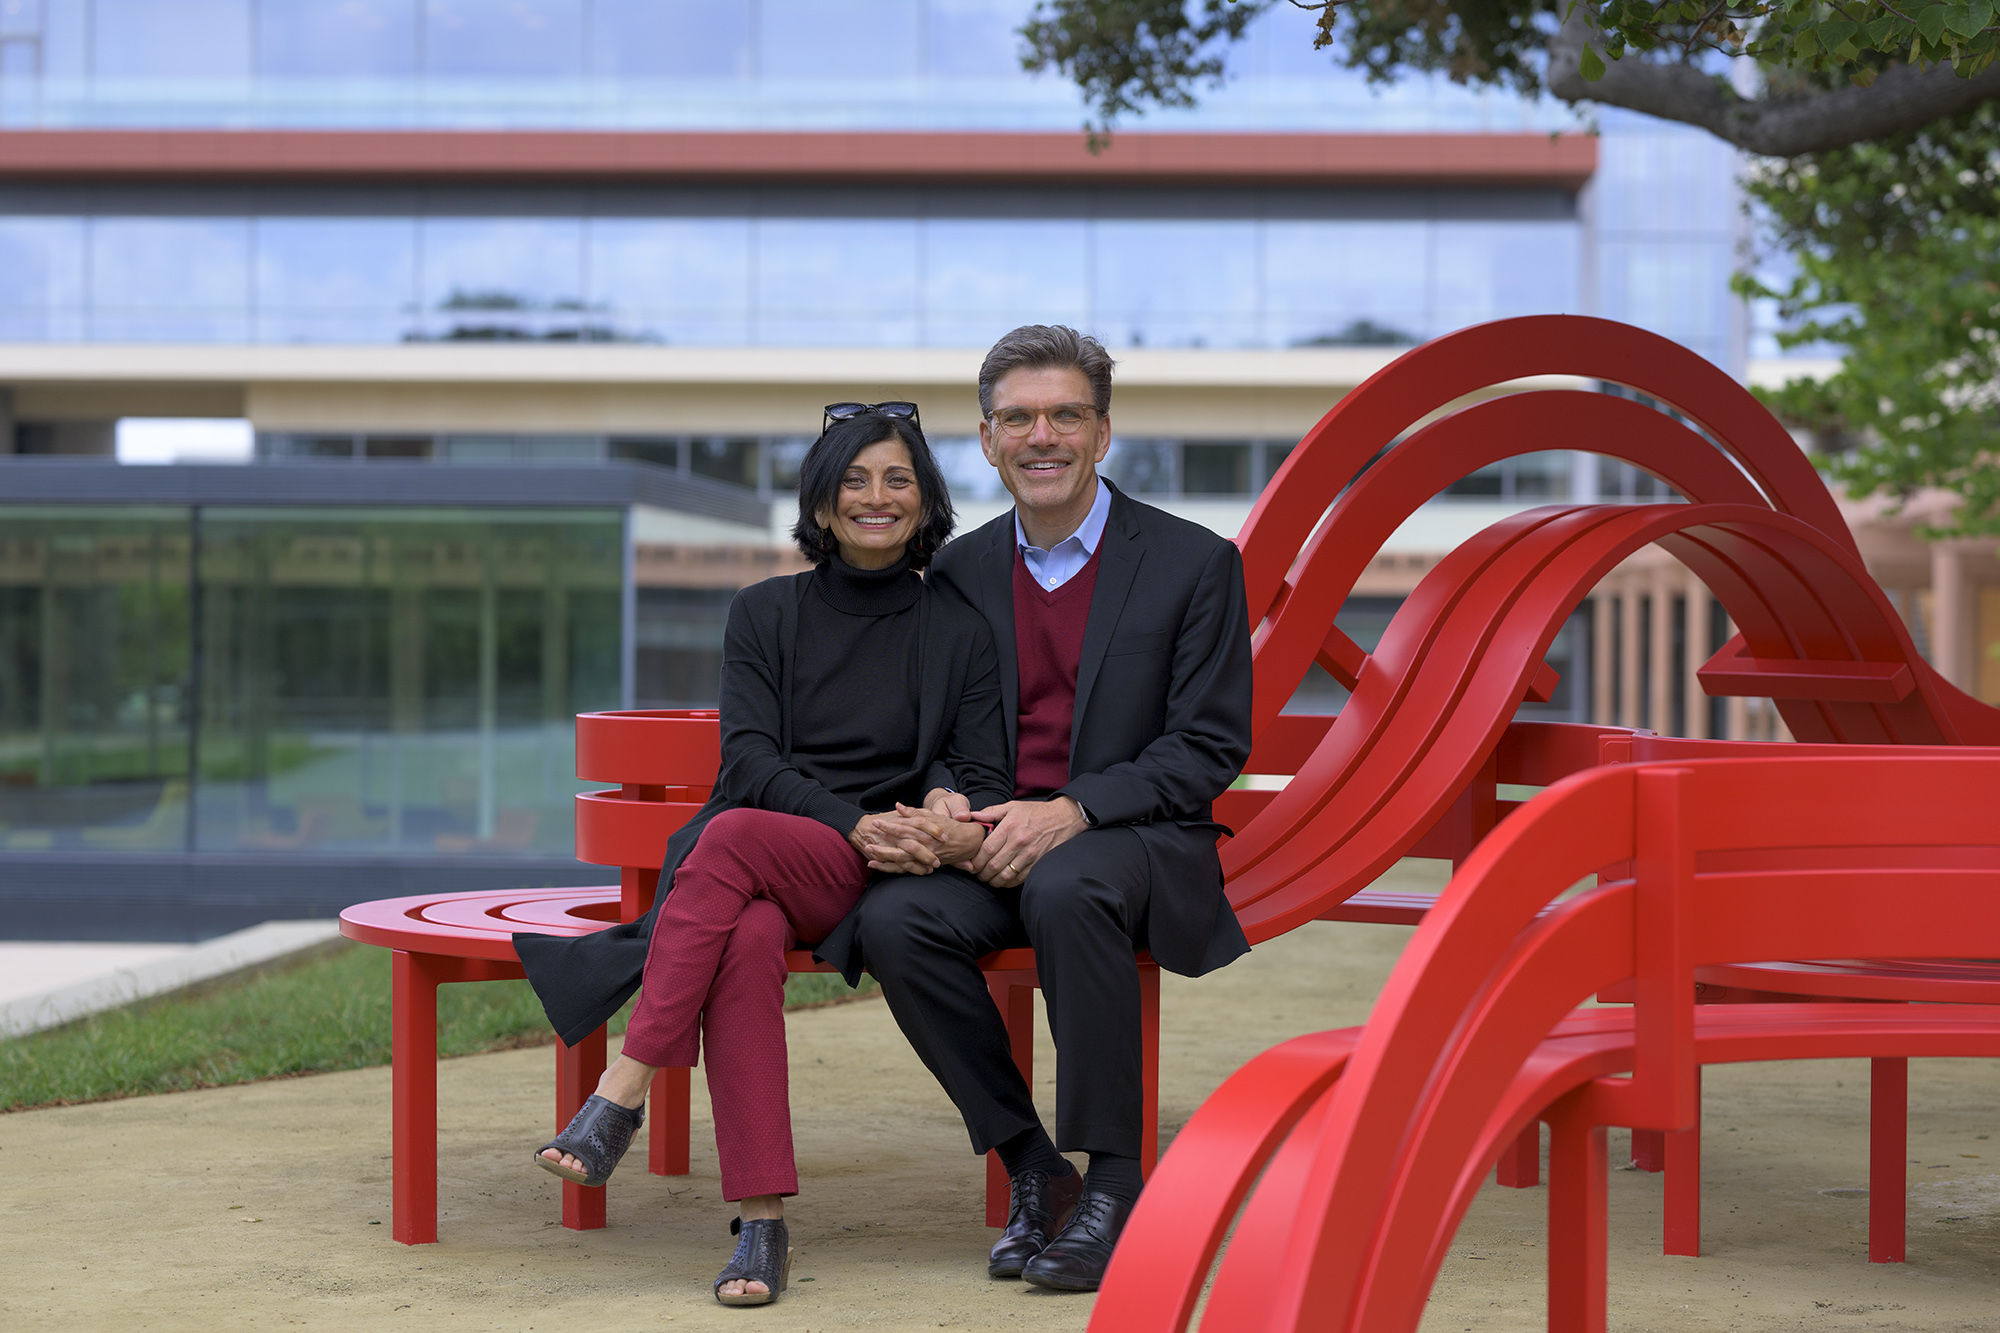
x,y
1888,1171
1475,1035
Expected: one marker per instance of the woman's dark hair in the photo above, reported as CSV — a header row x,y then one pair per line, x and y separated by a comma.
x,y
825,465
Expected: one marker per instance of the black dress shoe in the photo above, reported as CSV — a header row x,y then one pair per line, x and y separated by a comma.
x,y
1076,1259
1036,1207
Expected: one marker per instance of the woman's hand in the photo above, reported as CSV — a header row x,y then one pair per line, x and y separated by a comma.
x,y
913,841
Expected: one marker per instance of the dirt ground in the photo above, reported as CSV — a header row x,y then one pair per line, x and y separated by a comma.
x,y
267,1205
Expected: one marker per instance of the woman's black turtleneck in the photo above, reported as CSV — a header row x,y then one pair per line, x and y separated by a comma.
x,y
855,683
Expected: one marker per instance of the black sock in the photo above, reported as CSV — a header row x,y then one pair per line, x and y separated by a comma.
x,y
1030,1150
1114,1175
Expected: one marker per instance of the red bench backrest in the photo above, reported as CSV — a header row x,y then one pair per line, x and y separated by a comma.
x,y
1356,1232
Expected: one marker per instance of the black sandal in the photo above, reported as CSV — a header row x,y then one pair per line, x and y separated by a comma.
x,y
763,1254
597,1136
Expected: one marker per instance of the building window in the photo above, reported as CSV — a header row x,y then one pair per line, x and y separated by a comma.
x,y
321,682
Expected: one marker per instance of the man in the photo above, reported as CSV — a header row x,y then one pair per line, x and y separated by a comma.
x,y
1125,666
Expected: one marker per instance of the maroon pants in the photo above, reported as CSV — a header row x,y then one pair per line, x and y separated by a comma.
x,y
755,884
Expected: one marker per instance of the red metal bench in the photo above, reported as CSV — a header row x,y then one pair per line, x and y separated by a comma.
x,y
1359,1151
663,762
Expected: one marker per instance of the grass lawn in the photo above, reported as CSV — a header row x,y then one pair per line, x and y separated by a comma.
x,y
326,1012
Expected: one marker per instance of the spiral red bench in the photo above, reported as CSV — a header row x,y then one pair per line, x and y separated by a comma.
x,y
663,762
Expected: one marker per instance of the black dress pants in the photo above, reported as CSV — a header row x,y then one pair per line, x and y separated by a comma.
x,y
1083,908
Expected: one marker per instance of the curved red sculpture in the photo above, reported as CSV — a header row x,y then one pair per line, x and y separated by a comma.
x,y
1370,1142
1431,705
1359,1151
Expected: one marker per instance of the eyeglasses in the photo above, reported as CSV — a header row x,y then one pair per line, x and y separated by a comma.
x,y
897,409
1019,422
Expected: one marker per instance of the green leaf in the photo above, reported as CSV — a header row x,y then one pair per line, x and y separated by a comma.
x,y
1862,78
1881,29
1591,66
1931,21
1959,19
1835,31
1980,12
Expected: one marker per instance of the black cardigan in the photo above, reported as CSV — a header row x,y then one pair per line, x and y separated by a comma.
x,y
583,980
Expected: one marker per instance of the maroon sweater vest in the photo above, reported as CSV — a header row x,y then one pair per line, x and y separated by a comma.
x,y
1048,645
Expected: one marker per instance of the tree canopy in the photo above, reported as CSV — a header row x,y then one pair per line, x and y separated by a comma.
x,y
1898,250
1832,73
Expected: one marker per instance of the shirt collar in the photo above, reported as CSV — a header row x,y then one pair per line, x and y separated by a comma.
x,y
1087,536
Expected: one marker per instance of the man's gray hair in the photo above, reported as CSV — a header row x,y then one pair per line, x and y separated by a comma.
x,y
1047,347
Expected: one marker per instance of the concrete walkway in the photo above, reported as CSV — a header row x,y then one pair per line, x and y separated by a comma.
x,y
44,984
267,1204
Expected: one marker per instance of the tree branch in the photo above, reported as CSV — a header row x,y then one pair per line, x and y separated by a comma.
x,y
1903,98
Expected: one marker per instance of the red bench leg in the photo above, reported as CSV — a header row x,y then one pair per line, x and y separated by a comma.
x,y
670,1124
1520,1165
578,1068
413,1096
1014,995
1578,1254
1649,1149
1681,1208
1888,1157
1149,1067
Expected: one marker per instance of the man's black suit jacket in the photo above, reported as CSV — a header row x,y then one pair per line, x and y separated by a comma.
x,y
1162,721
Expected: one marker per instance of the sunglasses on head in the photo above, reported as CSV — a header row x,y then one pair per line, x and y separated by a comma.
x,y
848,411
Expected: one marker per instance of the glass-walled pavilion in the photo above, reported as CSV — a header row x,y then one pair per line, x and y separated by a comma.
x,y
277,704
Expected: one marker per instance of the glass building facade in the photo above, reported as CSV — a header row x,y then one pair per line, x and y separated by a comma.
x,y
335,681
785,267
226,679
634,64
749,267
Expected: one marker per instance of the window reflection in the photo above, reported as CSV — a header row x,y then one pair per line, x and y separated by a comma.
x,y
505,278
836,280
352,39
676,280
335,279
686,39
41,279
94,697
170,279
1347,283
966,470
400,682
984,277
187,39
1218,468
1178,284
1142,467
733,461
822,281
847,43
1486,270
963,37
522,38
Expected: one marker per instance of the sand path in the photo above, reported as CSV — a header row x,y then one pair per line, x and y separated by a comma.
x,y
267,1205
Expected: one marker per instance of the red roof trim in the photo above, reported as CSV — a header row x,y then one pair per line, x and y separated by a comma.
x,y
550,157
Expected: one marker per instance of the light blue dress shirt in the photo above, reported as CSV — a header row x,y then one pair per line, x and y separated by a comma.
x,y
1059,564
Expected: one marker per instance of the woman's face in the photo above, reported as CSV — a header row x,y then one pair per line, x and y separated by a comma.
x,y
878,506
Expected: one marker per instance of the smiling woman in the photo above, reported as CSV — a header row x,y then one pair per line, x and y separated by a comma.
x,y
873,491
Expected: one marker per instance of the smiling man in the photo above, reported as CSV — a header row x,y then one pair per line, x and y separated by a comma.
x,y
1125,676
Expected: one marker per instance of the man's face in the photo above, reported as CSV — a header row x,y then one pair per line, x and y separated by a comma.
x,y
1044,469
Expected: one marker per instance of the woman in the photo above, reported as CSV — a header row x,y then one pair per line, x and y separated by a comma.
x,y
848,694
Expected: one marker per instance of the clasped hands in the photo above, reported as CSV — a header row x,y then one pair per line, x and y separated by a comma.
x,y
999,844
